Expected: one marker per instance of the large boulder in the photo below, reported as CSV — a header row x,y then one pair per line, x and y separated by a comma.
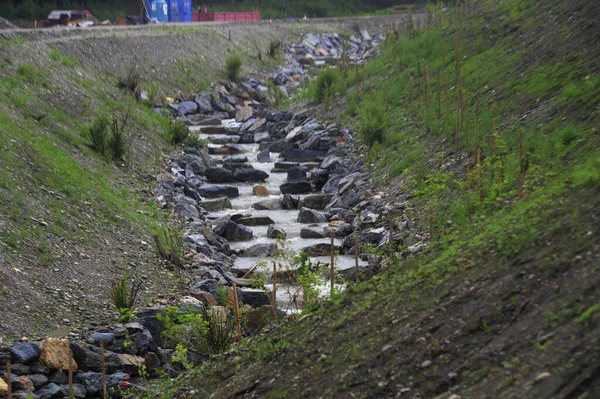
x,y
218,191
260,250
253,297
56,354
296,187
204,103
255,221
311,233
296,173
267,205
323,249
316,201
186,210
276,232
307,215
299,155
24,352
216,205
51,390
264,156
319,177
187,107
250,175
196,163
219,175
232,231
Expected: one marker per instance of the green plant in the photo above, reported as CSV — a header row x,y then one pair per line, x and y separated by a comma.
x,y
170,246
372,123
326,79
177,132
123,293
274,47
205,330
129,82
233,66
98,133
119,139
271,349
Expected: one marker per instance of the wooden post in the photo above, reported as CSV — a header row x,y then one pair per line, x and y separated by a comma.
x,y
391,228
466,122
439,97
431,224
363,78
446,100
419,85
476,127
410,89
468,183
458,108
236,310
9,379
356,252
385,85
480,192
104,390
331,265
521,165
426,76
275,286
357,81
71,393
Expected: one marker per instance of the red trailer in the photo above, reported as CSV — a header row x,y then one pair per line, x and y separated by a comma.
x,y
204,16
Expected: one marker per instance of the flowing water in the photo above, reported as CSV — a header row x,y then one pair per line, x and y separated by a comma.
x,y
285,219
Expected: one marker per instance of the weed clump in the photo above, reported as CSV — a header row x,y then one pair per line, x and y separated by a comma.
x,y
233,66
109,137
130,82
178,133
98,133
123,294
372,124
325,81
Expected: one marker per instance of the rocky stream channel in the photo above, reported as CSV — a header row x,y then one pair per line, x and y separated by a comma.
x,y
267,183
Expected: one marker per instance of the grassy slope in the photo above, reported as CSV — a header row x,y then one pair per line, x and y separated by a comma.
x,y
508,291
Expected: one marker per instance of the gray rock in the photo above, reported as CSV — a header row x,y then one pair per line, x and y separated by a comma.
x,y
235,159
186,210
80,391
307,215
250,175
24,352
38,380
276,232
198,164
331,187
204,103
20,369
219,175
319,177
216,205
299,155
316,201
264,156
284,166
51,390
296,187
24,395
253,297
187,107
255,221
218,191
311,233
267,205
142,342
259,250
95,338
289,201
235,232
58,377
296,173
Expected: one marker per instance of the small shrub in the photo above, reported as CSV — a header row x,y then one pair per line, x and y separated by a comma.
x,y
324,84
130,82
233,66
206,331
98,133
118,140
177,132
171,246
123,294
271,349
274,47
372,123
27,73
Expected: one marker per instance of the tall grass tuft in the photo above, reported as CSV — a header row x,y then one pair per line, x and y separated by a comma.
x,y
324,83
372,123
233,67
98,133
123,294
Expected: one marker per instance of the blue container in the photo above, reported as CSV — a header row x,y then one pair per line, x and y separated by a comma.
x,y
159,11
185,10
174,10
